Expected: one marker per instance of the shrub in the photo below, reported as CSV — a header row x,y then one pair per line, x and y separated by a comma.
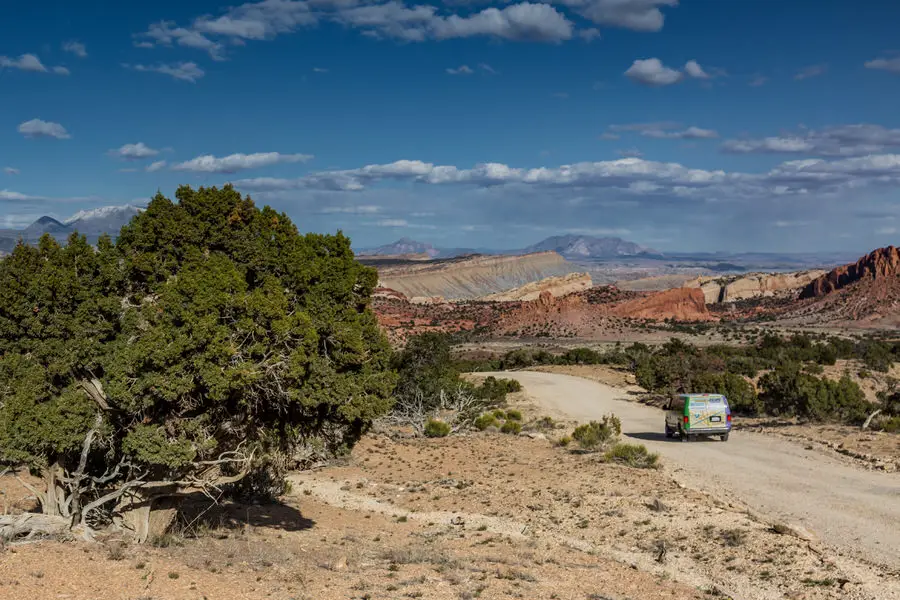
x,y
564,441
500,414
790,392
484,421
436,428
514,415
511,427
632,455
596,434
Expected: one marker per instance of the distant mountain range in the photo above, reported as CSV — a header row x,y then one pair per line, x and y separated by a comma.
x,y
572,247
90,223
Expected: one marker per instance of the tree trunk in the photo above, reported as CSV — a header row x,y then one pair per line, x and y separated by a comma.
x,y
30,524
53,500
148,518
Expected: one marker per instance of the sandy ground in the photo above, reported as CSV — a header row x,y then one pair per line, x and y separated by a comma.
x,y
853,510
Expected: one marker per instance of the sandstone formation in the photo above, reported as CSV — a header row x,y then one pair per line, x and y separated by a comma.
x,y
471,277
883,263
681,304
753,285
555,286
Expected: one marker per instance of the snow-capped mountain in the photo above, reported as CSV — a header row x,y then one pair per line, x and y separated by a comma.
x,y
108,219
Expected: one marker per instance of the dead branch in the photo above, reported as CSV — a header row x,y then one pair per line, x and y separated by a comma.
x,y
869,419
29,525
94,389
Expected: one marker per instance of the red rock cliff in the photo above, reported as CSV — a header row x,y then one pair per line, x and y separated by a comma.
x,y
881,263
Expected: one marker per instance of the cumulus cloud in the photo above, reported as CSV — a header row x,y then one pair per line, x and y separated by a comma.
x,y
134,151
36,128
693,69
76,48
460,70
26,62
631,177
61,71
844,140
639,15
156,166
653,72
185,71
238,162
524,21
10,171
165,33
811,71
891,65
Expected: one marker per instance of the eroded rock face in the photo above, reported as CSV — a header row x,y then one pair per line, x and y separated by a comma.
x,y
555,286
472,277
883,263
682,304
754,285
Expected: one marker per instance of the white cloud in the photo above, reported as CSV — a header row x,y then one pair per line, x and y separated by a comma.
x,y
663,130
365,209
811,71
639,15
26,62
156,166
76,48
134,151
652,72
886,231
10,171
61,71
844,140
37,128
609,136
461,70
693,69
12,196
238,162
319,70
758,80
634,176
589,34
561,95
165,33
392,223
487,68
891,65
267,19
185,71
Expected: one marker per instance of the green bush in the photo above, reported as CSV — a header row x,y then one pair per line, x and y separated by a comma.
x,y
436,428
632,455
787,391
892,425
511,427
564,441
500,414
597,434
484,421
513,415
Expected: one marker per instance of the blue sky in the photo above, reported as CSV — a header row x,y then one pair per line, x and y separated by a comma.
x,y
691,125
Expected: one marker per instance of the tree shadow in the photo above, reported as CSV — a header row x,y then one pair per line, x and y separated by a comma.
x,y
198,511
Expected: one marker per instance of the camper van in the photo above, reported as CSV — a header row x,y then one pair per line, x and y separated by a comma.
x,y
690,415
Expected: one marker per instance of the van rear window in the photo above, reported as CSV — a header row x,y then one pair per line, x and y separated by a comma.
x,y
698,404
715,401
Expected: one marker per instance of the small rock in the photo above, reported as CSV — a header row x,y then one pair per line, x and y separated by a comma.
x,y
340,564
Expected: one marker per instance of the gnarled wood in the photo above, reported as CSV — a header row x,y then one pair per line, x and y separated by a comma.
x,y
29,525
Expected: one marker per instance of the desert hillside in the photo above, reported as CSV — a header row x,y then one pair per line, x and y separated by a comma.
x,y
471,277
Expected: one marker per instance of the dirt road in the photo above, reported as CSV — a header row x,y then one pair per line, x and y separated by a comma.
x,y
851,509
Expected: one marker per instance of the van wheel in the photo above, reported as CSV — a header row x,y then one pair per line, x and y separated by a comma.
x,y
669,432
725,438
685,437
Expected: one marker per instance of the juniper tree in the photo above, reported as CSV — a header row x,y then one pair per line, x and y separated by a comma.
x,y
160,364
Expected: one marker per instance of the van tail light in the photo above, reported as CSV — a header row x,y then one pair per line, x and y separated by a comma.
x,y
728,418
686,419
